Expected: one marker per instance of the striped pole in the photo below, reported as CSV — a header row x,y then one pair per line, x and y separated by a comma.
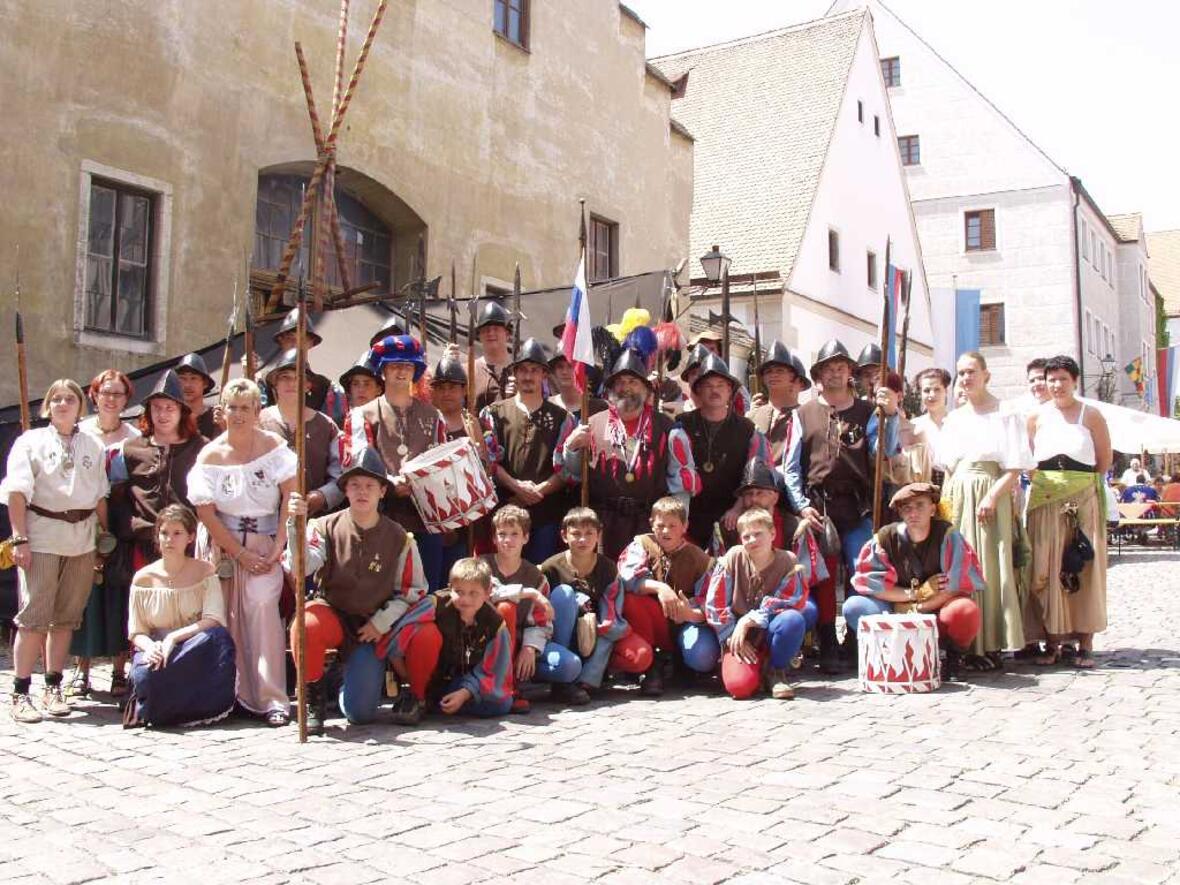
x,y
341,44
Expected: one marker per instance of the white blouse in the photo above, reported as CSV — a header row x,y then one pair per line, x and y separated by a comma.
x,y
250,489
168,608
57,475
124,431
1000,437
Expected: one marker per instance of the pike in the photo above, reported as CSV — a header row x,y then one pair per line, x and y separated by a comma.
x,y
22,366
585,416
755,378
879,459
905,329
516,312
229,337
300,549
453,305
420,284
469,411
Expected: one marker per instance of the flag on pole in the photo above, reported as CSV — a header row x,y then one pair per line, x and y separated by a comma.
x,y
1168,378
894,285
1134,370
577,342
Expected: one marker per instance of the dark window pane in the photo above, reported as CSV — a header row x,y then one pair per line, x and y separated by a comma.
x,y
501,19
132,288
102,221
133,228
98,293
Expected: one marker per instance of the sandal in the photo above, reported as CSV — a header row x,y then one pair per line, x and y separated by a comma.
x,y
118,685
978,664
1084,659
79,686
277,719
1050,658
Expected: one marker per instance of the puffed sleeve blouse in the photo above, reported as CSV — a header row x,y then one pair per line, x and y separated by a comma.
x,y
250,489
165,609
1000,437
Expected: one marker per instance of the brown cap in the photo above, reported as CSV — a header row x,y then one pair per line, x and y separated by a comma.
x,y
914,490
706,334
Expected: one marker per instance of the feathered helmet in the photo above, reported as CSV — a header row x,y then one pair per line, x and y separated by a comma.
x,y
635,332
398,349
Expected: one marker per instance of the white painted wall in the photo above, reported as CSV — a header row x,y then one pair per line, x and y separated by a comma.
x,y
1100,300
861,195
1136,307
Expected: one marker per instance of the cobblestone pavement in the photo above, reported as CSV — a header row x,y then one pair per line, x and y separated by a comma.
x,y
1029,776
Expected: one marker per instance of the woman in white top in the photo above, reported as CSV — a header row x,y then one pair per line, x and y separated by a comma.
x,y
239,487
56,490
103,633
183,672
1071,444
983,446
933,385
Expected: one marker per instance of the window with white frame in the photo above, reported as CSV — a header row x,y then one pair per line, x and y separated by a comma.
x,y
1093,249
1089,332
1085,241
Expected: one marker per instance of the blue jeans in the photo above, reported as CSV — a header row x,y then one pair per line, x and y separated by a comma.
x,y
558,664
565,616
485,707
430,548
784,634
699,647
542,542
364,681
856,607
853,540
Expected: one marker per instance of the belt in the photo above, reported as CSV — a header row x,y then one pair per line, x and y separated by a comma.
x,y
254,525
1064,462
70,516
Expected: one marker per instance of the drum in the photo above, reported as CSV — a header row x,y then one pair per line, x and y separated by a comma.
x,y
449,486
898,653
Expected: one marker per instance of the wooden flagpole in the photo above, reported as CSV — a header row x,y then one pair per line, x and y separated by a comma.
x,y
879,459
299,542
585,416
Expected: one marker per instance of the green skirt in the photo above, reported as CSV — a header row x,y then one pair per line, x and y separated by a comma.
x,y
103,633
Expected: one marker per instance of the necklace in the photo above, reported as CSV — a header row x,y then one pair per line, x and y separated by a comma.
x,y
711,430
67,449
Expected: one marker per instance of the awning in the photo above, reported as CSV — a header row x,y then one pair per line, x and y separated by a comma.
x,y
1132,431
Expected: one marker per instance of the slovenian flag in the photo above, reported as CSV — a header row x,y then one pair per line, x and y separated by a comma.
x,y
577,342
894,286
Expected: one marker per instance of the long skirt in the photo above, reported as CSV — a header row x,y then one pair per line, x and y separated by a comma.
x,y
103,633
1050,610
195,687
1002,624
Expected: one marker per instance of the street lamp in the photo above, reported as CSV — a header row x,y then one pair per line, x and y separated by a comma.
x,y
1106,382
716,268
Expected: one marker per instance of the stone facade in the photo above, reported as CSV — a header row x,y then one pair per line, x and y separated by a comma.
x,y
454,132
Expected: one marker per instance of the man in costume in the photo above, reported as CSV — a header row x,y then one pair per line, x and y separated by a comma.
x,y
493,370
196,382
323,395
783,379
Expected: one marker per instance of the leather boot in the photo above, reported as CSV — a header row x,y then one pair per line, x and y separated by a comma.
x,y
829,654
315,707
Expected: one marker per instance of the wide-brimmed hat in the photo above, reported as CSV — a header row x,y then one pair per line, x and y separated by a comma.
x,y
363,366
449,371
714,365
830,352
195,363
393,326
167,387
291,323
915,490
870,355
781,355
532,351
398,349
368,463
287,360
757,475
630,362
493,314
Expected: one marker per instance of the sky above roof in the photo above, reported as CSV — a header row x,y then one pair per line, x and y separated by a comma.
x,y
1088,80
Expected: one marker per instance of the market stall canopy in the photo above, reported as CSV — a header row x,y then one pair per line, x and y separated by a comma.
x,y
1132,431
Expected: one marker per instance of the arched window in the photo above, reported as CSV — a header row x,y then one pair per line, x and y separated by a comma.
x,y
368,242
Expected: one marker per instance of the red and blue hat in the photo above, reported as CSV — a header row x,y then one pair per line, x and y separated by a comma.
x,y
398,349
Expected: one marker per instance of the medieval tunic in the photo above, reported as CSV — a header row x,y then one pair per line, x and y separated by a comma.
x,y
602,593
575,409
533,622
774,424
321,451
247,500
893,561
736,590
413,430
528,446
721,451
631,469
683,569
474,656
490,382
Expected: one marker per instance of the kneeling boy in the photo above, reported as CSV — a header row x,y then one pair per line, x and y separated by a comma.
x,y
757,602
920,564
663,573
455,650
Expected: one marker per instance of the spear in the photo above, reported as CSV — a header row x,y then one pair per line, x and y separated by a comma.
x,y
22,366
229,338
905,328
755,380
585,416
454,307
516,313
469,417
248,339
420,283
879,465
300,521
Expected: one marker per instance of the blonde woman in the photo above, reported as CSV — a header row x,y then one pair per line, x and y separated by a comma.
x,y
239,487
56,489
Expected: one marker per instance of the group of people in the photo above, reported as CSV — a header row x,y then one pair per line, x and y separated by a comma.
x,y
722,529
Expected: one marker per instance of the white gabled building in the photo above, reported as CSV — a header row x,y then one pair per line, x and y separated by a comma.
x,y
998,216
798,179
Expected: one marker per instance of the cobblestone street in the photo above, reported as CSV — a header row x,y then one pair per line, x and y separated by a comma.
x,y
1030,776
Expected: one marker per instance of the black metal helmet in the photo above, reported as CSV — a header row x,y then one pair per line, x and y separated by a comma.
x,y
800,372
630,362
449,370
291,322
714,365
367,463
287,360
363,366
781,355
493,314
757,475
696,356
532,351
393,326
195,363
832,350
167,387
870,355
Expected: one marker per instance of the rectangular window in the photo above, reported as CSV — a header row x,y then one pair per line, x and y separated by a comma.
x,y
833,250
1085,241
909,148
1110,267
1093,249
118,259
980,230
876,126
1089,332
860,111
512,21
891,71
604,249
991,325
871,274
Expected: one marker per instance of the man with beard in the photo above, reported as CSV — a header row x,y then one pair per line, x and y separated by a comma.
x,y
783,378
524,436
828,470
493,370
722,444
637,456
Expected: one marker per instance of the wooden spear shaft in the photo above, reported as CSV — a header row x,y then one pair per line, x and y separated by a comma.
x,y
227,356
22,366
879,458
469,418
300,539
584,418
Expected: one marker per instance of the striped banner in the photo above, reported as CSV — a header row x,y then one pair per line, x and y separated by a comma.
x,y
1167,379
